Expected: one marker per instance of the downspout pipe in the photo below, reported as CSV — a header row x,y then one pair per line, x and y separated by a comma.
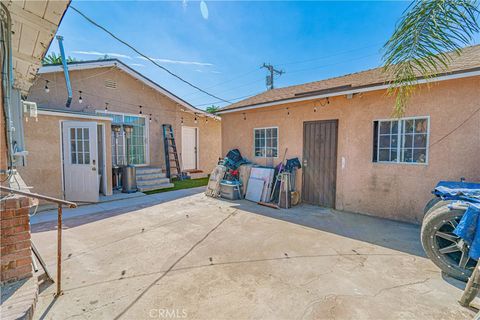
x,y
7,80
65,71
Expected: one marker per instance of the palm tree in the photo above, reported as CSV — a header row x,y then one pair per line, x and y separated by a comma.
x,y
53,58
212,109
427,30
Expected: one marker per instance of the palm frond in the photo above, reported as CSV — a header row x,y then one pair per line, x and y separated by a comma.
x,y
418,47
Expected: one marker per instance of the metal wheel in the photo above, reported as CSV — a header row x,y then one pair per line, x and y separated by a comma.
x,y
452,247
442,246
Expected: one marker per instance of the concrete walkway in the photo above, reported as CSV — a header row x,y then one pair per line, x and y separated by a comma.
x,y
194,257
135,201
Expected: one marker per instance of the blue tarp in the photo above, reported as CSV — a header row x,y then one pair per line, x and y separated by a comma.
x,y
468,228
467,194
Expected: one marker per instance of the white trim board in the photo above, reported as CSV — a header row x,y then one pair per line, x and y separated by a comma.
x,y
120,65
71,115
351,91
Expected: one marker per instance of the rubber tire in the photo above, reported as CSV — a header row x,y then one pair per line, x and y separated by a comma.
x,y
435,205
434,218
430,204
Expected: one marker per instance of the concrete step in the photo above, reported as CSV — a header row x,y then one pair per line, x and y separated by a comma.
x,y
144,170
155,187
148,176
154,181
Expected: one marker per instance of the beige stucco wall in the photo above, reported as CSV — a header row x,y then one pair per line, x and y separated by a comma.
x,y
129,94
43,170
396,191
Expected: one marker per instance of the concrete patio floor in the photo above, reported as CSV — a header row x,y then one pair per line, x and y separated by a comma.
x,y
190,256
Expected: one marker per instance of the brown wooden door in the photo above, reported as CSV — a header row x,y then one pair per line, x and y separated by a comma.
x,y
320,162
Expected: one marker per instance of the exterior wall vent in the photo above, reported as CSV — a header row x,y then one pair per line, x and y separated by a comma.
x,y
112,84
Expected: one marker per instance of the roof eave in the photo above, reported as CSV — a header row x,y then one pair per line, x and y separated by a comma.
x,y
122,66
359,89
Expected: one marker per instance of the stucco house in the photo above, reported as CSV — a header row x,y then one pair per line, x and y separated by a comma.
x,y
75,147
357,156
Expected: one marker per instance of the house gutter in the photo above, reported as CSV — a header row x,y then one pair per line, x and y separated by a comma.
x,y
360,89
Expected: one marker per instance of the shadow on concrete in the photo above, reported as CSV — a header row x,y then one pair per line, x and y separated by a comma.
x,y
45,313
47,221
7,290
390,234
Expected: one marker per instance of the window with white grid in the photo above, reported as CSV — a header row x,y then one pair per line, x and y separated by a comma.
x,y
403,140
266,142
79,146
137,141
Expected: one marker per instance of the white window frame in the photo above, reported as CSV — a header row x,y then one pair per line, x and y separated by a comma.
x,y
402,140
278,139
147,134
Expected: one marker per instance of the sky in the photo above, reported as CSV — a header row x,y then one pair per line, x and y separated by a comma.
x,y
220,46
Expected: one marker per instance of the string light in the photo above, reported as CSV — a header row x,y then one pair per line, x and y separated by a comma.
x,y
106,106
288,112
314,109
47,89
206,119
140,112
80,100
244,116
181,122
150,119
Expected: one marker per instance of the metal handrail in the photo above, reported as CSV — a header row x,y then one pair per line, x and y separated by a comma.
x,y
60,203
39,196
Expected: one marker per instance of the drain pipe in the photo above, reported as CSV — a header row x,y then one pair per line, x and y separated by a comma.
x,y
65,71
7,81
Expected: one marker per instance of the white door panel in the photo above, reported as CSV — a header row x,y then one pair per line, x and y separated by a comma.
x,y
189,148
80,161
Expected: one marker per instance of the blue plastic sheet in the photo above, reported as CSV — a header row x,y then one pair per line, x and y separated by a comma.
x,y
468,229
466,194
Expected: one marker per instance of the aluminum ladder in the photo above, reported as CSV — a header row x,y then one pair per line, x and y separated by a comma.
x,y
171,153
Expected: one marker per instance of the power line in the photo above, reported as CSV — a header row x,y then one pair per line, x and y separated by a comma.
x,y
145,56
328,56
211,103
243,75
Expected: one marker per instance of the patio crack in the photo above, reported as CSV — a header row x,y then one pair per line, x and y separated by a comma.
x,y
155,282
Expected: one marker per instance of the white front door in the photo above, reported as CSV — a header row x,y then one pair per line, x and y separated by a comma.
x,y
189,148
80,161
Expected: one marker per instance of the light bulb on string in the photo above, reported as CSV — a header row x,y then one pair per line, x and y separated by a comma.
x,y
80,100
244,116
288,112
47,89
181,122
140,112
150,118
106,106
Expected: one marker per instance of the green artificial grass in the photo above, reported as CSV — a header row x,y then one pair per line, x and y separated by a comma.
x,y
182,184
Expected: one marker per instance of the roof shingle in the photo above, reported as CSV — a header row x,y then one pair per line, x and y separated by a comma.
x,y
469,59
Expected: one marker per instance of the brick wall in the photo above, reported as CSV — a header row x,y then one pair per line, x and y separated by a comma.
x,y
16,253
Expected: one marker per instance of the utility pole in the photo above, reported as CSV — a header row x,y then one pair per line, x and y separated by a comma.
x,y
273,72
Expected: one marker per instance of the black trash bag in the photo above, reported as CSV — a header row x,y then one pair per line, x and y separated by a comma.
x,y
293,163
234,155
